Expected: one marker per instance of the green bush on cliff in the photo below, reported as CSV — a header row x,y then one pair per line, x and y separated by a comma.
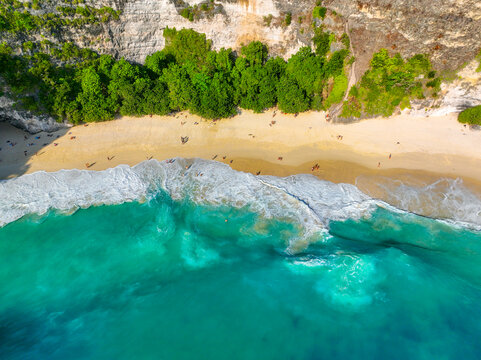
x,y
471,116
390,83
16,18
319,12
338,90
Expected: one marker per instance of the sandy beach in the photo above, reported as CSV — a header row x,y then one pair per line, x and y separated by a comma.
x,y
270,143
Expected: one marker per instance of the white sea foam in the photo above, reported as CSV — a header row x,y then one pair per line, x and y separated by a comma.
x,y
448,199
303,200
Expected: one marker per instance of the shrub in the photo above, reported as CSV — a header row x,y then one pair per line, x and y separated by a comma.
x,y
319,12
391,82
346,41
322,41
267,20
471,116
185,13
338,90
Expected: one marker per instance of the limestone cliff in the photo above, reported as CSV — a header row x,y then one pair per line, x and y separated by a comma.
x,y
448,30
139,31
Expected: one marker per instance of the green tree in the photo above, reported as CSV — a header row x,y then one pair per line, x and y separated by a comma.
x,y
157,99
158,61
93,100
255,53
309,73
186,45
292,99
181,90
322,41
133,97
215,97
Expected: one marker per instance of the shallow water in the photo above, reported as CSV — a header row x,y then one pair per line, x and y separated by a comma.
x,y
172,279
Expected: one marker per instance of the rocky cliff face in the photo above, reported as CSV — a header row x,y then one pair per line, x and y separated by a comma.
x,y
457,95
448,30
139,31
26,120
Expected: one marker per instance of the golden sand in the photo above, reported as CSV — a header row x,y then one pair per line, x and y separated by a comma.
x,y
270,143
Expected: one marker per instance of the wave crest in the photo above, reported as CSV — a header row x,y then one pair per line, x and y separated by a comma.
x,y
302,199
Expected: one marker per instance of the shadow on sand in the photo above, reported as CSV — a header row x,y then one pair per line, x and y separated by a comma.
x,y
18,146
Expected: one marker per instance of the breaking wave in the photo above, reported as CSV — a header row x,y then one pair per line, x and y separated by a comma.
x,y
303,200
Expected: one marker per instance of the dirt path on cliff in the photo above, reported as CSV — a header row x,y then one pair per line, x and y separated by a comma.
x,y
336,111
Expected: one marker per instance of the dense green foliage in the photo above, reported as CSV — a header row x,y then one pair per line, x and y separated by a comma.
x,y
471,116
391,82
319,12
16,18
79,85
186,75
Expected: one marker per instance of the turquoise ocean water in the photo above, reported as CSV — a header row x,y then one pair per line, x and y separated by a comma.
x,y
165,276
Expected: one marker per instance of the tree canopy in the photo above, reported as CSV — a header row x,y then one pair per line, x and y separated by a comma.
x,y
78,85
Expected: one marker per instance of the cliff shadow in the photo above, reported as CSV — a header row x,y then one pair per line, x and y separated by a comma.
x,y
18,146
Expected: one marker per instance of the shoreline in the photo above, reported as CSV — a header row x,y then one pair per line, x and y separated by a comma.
x,y
271,142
